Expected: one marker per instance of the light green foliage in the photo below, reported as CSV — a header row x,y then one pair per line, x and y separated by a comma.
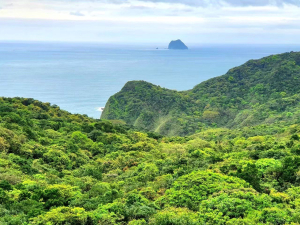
x,y
137,222
176,216
60,216
147,172
58,159
267,166
233,204
189,190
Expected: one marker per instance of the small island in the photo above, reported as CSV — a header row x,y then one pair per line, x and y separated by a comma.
x,y
177,44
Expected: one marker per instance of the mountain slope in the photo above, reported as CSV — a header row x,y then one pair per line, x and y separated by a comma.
x,y
260,91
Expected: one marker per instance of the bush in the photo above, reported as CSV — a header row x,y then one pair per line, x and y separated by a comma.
x,y
62,216
190,190
175,216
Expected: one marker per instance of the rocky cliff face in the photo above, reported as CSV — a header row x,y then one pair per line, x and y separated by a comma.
x,y
178,44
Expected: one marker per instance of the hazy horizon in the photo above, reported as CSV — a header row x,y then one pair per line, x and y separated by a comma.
x,y
144,45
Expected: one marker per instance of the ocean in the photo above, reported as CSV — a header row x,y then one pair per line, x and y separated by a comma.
x,y
80,77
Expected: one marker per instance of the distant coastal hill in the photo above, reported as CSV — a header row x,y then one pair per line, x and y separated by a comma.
x,y
259,92
178,44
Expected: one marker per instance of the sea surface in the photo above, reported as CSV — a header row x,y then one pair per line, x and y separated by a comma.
x,y
80,77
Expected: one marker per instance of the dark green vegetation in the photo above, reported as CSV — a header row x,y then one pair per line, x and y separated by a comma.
x,y
264,91
59,168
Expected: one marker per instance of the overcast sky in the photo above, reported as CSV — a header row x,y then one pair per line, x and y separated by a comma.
x,y
151,21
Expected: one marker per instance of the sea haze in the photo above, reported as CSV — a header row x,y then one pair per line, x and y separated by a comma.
x,y
81,77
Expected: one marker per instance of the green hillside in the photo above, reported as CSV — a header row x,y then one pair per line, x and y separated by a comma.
x,y
240,165
57,168
264,91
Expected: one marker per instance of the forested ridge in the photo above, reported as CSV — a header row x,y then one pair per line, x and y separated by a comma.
x,y
226,152
61,168
264,91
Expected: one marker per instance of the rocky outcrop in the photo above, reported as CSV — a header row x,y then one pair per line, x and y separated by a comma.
x,y
178,44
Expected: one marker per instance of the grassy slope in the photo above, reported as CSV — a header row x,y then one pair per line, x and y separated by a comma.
x,y
260,91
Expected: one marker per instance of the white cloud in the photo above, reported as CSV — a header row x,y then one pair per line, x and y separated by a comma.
x,y
220,3
150,20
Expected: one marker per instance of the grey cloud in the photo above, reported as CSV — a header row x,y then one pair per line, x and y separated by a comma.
x,y
139,7
4,6
262,2
200,3
77,13
241,3
100,1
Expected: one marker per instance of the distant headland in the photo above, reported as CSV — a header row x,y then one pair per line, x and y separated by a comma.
x,y
177,44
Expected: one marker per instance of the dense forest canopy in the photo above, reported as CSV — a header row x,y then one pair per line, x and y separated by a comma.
x,y
240,165
264,91
60,168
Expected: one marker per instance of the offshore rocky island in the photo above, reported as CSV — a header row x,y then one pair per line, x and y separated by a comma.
x,y
177,44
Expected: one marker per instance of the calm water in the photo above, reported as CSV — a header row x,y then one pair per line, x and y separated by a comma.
x,y
81,77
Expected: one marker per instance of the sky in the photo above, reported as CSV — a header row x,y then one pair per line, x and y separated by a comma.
x,y
151,21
